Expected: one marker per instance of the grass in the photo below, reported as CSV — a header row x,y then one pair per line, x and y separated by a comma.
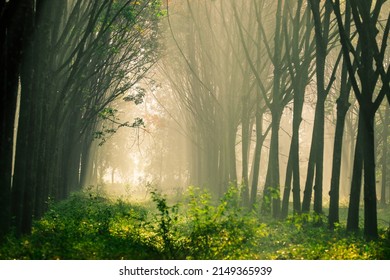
x,y
89,226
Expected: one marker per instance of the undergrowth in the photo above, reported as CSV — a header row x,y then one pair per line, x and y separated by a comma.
x,y
89,226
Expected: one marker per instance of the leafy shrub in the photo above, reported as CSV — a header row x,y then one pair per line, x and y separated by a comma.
x,y
166,220
90,226
85,227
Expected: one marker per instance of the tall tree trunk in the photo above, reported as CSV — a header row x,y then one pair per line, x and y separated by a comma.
x,y
296,179
15,24
299,66
292,171
257,156
271,191
385,155
307,194
287,185
342,109
86,165
245,151
322,37
356,184
334,193
370,198
272,184
20,182
318,183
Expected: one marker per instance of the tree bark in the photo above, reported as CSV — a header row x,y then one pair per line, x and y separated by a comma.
x,y
370,198
342,109
271,195
385,155
15,21
245,150
354,200
334,193
257,156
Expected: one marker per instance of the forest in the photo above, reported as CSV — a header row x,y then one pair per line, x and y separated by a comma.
x,y
194,129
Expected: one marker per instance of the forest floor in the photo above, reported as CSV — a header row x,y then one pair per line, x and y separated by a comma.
x,y
91,226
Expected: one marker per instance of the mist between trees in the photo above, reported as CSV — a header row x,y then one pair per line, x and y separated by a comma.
x,y
289,100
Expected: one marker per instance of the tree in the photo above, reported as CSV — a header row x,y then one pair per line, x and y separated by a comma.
x,y
370,67
299,56
384,158
83,56
216,92
275,95
16,22
342,109
281,95
323,38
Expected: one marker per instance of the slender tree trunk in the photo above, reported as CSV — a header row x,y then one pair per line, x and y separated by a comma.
x,y
292,172
307,194
86,164
342,109
298,66
20,182
257,156
370,198
245,151
287,185
334,193
271,196
23,187
272,185
298,107
293,165
231,152
385,155
354,200
321,37
318,184
15,19
296,179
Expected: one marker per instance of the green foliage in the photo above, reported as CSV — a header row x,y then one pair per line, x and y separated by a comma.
x,y
137,97
270,194
215,232
304,237
111,123
166,218
89,226
86,226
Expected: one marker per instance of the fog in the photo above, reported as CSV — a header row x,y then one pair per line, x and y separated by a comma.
x,y
274,101
200,106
